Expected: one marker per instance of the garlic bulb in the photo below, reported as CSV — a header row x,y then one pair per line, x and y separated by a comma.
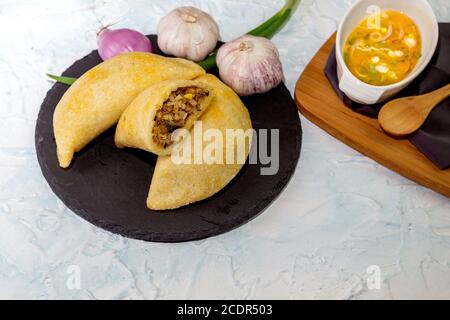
x,y
188,32
250,65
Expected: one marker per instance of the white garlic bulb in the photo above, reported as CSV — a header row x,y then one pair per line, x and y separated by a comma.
x,y
188,32
250,65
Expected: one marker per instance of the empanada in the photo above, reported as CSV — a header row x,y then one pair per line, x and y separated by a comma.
x,y
175,185
151,119
95,102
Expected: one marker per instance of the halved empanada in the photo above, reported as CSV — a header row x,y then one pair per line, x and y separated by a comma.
x,y
150,120
95,102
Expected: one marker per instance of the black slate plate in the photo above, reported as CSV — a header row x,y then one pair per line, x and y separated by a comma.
x,y
108,187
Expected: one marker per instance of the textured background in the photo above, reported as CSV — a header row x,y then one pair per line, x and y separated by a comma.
x,y
341,213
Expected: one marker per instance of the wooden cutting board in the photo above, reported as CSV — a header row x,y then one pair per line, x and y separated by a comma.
x,y
318,102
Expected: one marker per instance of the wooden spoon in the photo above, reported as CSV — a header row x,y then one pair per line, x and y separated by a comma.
x,y
404,116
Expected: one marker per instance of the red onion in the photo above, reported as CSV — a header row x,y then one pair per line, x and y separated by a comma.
x,y
114,42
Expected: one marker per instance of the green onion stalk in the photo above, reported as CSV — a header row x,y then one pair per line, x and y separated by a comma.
x,y
266,30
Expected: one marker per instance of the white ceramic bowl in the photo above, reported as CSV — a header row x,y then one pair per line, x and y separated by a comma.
x,y
418,10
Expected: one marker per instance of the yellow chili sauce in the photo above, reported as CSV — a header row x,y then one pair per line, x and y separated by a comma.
x,y
383,49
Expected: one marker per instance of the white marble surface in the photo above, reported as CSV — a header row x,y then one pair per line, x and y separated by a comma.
x,y
341,213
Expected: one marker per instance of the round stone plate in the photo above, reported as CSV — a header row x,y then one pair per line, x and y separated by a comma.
x,y
108,187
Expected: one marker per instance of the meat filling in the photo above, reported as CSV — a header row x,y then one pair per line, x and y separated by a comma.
x,y
175,111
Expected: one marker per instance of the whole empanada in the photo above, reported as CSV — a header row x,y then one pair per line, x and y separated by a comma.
x,y
95,102
175,185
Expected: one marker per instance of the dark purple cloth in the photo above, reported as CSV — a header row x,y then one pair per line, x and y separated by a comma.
x,y
433,139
